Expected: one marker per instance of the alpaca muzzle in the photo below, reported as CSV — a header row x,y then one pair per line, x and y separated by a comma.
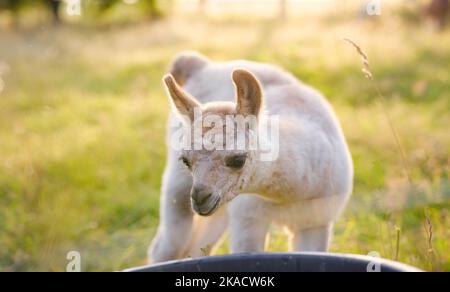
x,y
203,201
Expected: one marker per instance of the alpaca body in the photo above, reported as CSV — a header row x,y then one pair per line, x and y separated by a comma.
x,y
305,189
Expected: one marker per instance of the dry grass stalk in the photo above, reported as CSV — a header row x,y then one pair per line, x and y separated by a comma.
x,y
429,232
369,75
206,251
428,226
397,250
365,60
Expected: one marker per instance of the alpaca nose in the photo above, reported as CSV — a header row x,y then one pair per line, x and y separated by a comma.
x,y
200,195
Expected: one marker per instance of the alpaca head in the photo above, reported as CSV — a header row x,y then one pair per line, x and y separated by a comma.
x,y
222,153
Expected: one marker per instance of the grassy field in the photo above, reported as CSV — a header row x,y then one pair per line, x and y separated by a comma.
x,y
82,125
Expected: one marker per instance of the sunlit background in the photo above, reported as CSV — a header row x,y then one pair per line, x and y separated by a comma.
x,y
82,118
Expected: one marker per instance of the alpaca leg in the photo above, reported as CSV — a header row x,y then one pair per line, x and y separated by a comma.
x,y
207,234
312,240
176,216
248,225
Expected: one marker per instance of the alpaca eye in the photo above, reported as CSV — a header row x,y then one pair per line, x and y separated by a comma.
x,y
236,162
186,162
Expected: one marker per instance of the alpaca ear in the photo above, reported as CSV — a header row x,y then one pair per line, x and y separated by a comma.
x,y
184,103
249,93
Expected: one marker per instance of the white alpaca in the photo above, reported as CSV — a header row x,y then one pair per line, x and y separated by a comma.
x,y
304,190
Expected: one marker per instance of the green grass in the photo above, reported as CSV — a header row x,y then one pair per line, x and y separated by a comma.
x,y
82,127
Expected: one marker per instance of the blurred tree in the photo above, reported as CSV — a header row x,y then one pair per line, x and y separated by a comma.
x,y
15,5
153,7
438,11
283,9
11,5
150,5
55,7
202,7
106,4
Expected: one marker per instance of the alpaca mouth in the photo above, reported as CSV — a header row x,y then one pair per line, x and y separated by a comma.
x,y
211,211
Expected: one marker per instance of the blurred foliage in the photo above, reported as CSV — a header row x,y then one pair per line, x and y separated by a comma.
x,y
97,6
18,4
151,6
11,4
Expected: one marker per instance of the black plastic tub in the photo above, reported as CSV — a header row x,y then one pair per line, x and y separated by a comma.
x,y
280,262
